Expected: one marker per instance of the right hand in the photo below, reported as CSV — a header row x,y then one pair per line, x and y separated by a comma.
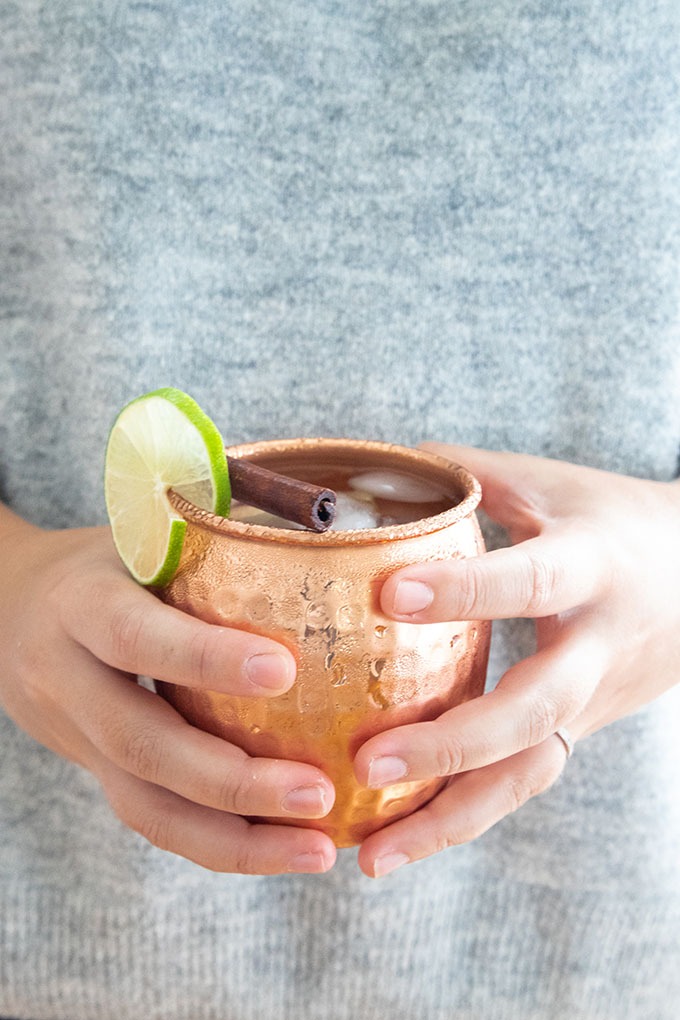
x,y
76,631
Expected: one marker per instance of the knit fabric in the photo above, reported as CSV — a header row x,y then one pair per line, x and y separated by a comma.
x,y
400,220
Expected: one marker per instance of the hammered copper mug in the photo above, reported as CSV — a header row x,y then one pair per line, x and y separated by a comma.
x,y
358,672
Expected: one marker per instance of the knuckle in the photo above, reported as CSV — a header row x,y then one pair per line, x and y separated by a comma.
x,y
203,659
236,795
574,697
519,788
156,828
452,835
152,823
144,812
127,629
246,860
142,753
542,584
445,840
572,700
540,719
449,756
545,711
470,588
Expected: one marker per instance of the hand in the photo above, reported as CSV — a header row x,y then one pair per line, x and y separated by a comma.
x,y
595,560
76,632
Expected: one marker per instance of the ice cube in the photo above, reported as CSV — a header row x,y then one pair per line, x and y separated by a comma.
x,y
351,513
397,486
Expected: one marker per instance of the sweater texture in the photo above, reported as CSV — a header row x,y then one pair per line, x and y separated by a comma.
x,y
388,219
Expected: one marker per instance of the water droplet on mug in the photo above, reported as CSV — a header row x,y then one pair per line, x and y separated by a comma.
x,y
349,617
376,693
256,729
380,631
339,677
376,667
317,617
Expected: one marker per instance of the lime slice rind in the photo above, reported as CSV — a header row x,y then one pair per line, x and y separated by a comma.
x,y
161,441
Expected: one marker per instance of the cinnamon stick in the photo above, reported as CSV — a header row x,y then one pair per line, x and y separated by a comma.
x,y
309,505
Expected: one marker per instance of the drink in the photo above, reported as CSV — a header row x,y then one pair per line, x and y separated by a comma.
x,y
365,500
358,672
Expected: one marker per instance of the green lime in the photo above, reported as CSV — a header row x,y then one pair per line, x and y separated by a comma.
x,y
161,441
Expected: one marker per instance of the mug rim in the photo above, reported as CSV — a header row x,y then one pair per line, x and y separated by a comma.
x,y
436,464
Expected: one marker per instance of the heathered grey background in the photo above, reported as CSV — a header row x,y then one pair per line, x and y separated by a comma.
x,y
400,220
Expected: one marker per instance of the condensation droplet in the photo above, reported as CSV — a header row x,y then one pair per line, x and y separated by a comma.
x,y
339,676
328,661
317,616
455,640
256,729
380,631
349,617
375,668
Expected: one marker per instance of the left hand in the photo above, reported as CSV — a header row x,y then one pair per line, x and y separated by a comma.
x,y
595,560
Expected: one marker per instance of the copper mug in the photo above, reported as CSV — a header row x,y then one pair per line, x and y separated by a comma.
x,y
358,672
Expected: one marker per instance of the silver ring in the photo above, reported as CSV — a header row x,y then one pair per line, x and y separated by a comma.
x,y
567,739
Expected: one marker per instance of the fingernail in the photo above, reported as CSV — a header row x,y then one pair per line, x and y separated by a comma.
x,y
412,597
306,801
268,671
311,863
386,770
388,862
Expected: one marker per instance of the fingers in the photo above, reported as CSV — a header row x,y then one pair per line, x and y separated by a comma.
x,y
132,630
532,700
213,839
510,493
141,734
517,488
490,466
466,808
539,577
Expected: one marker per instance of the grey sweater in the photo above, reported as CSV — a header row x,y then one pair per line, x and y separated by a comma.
x,y
400,220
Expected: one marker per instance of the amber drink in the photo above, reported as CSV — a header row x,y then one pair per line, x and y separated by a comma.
x,y
318,593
